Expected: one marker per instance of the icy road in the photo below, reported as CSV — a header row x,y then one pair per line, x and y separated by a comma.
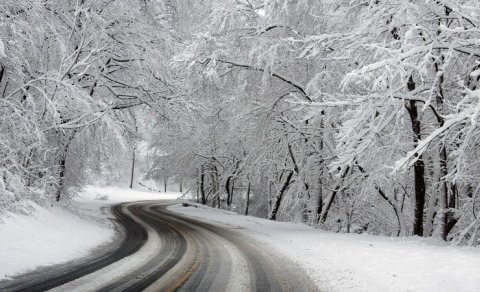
x,y
158,250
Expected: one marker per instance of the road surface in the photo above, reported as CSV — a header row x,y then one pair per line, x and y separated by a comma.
x,y
158,250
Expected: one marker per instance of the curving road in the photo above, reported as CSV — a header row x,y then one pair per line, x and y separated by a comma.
x,y
159,250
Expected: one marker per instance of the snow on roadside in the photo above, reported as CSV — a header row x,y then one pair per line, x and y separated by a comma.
x,y
55,235
48,236
353,262
117,195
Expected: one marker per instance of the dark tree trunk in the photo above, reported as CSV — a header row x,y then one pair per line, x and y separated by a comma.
x,y
419,177
1,73
215,187
307,211
202,185
61,176
228,189
198,186
132,173
247,203
319,208
331,198
281,192
443,199
232,190
229,184
418,166
62,164
452,204
328,204
270,187
319,202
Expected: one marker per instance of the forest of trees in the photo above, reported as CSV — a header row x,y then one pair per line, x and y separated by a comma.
x,y
349,115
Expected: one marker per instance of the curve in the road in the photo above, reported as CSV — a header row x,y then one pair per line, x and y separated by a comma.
x,y
189,255
133,237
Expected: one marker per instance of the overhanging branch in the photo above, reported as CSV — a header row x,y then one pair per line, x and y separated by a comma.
x,y
274,74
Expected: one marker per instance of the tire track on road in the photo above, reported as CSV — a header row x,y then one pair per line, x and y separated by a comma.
x,y
165,251
132,239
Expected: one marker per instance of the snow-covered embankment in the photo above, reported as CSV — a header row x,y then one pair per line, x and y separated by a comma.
x,y
54,235
358,262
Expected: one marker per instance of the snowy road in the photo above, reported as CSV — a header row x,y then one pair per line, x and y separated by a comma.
x,y
164,251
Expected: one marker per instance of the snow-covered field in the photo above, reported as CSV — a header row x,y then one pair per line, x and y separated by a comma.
x,y
54,235
352,262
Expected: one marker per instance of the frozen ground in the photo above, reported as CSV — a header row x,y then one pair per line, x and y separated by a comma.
x,y
54,235
352,262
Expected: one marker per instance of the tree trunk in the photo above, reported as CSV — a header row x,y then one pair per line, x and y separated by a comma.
x,y
452,205
419,177
331,198
319,208
198,186
270,189
443,194
202,186
401,221
418,167
247,202
63,166
306,210
402,226
215,189
165,183
348,216
1,78
232,190
132,173
319,201
228,189
61,176
278,201
430,215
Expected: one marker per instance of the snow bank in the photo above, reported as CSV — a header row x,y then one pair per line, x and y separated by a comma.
x,y
352,262
55,235
49,236
116,195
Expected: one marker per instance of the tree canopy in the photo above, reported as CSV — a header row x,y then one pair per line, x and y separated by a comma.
x,y
357,116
